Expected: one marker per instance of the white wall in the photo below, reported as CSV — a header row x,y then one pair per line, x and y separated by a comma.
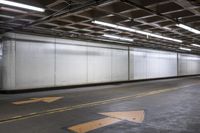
x,y
71,64
1,62
37,63
119,65
146,64
99,64
189,64
169,64
138,64
8,66
32,62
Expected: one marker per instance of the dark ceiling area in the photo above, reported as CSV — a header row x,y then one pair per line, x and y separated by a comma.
x,y
73,18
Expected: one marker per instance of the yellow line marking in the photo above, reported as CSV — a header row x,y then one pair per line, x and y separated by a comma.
x,y
92,125
17,116
113,117
91,104
34,100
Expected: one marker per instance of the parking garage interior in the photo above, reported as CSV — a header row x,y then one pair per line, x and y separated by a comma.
x,y
99,66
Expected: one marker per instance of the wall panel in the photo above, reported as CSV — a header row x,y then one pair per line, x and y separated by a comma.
x,y
189,64
119,65
71,64
99,65
37,62
146,64
138,64
34,64
1,62
168,64
8,66
153,64
183,65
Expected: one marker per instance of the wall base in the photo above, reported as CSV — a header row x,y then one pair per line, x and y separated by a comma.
x,y
87,85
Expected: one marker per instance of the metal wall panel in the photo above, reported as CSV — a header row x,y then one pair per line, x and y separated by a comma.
x,y
99,65
182,64
8,66
194,65
131,64
119,65
189,64
138,64
164,67
146,64
71,64
1,62
34,64
168,64
153,64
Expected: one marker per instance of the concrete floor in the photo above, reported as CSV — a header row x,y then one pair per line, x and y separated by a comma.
x,y
170,106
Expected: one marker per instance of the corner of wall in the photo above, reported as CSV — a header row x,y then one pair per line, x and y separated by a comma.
x,y
8,63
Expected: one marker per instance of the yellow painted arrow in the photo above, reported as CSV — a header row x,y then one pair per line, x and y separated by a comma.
x,y
132,116
113,117
34,100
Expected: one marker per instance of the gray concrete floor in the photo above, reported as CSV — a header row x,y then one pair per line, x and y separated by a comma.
x,y
174,109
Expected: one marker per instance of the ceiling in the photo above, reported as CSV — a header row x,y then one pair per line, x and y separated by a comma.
x,y
73,18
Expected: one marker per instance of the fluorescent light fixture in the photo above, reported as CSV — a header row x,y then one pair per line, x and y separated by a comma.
x,y
118,38
136,31
6,16
12,10
167,28
188,28
105,24
20,5
186,49
196,45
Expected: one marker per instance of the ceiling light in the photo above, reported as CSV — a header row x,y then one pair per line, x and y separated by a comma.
x,y
105,24
167,28
12,10
118,37
186,49
188,28
20,5
136,31
196,45
6,16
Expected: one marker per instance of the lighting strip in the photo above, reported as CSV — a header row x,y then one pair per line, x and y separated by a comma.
x,y
20,5
118,38
196,45
6,16
188,28
12,10
185,49
135,31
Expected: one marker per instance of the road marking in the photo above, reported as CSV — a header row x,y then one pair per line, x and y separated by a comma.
x,y
92,125
133,116
113,117
34,100
91,104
